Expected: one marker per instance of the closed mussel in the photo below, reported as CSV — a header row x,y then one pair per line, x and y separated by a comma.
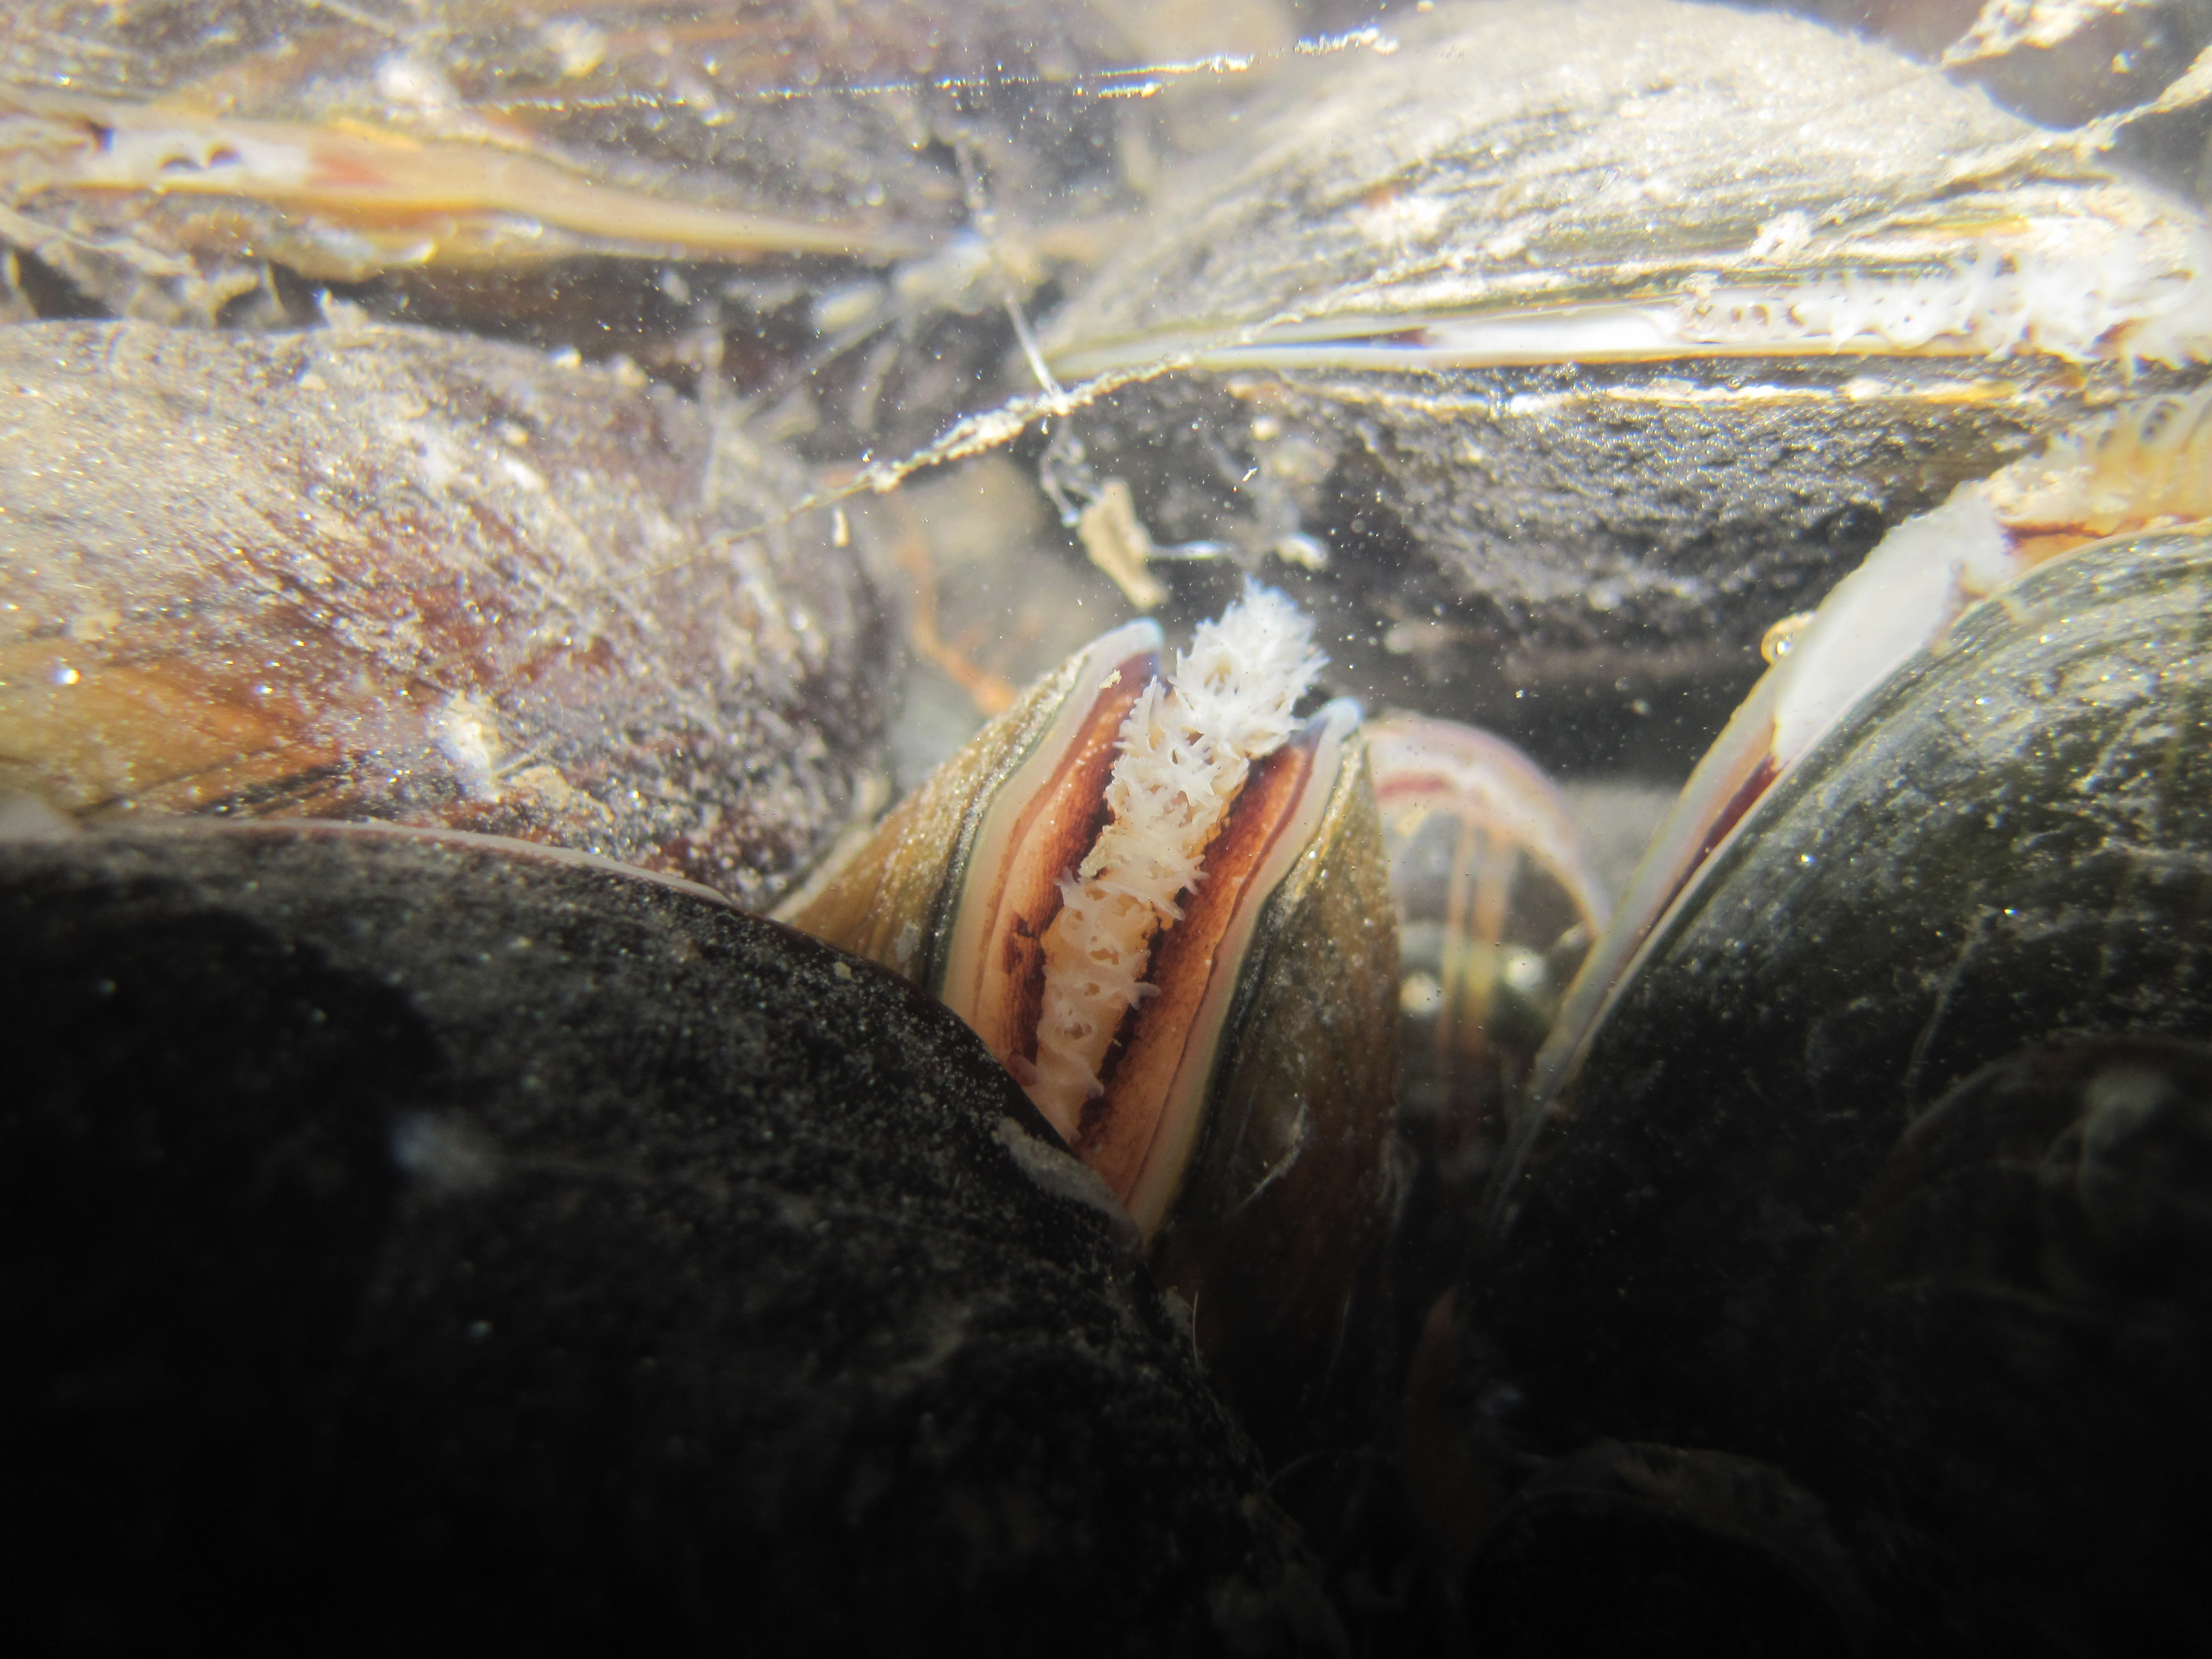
x,y
1591,340
1161,901
414,1240
380,573
1879,1161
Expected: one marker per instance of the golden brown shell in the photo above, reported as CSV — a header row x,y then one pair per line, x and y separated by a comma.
x,y
379,573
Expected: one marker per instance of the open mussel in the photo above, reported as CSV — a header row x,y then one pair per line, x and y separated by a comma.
x,y
380,573
830,206
470,134
1589,341
1876,1154
1162,902
414,1240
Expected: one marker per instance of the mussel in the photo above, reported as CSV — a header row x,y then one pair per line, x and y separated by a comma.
x,y
1912,1054
1591,340
380,573
2143,466
411,1239
839,199
1497,910
1163,904
343,144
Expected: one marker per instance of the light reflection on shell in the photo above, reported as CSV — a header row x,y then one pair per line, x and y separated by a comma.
x,y
1495,912
387,574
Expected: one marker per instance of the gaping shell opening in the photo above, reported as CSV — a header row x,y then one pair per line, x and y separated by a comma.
x,y
1115,882
1997,291
1241,1107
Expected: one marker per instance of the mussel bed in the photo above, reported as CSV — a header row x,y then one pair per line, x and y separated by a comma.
x,y
496,499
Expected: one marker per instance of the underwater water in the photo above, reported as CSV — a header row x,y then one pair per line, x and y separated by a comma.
x,y
1272,825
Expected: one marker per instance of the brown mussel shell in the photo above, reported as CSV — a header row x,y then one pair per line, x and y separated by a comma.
x,y
827,206
812,124
379,573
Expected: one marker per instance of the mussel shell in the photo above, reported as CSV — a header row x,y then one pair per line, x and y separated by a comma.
x,y
823,110
1278,1237
380,572
1267,1205
413,1238
896,900
1563,538
777,196
1497,910
1997,1364
1631,1547
2006,845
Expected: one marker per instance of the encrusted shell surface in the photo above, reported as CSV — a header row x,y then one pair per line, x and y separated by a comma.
x,y
2007,847
409,1236
1594,339
385,574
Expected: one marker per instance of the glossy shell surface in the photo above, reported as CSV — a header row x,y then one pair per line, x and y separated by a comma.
x,y
1592,340
382,572
1497,908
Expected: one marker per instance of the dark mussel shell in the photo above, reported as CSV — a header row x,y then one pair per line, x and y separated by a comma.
x,y
1589,341
415,1240
1779,1209
1246,1120
2000,1358
380,572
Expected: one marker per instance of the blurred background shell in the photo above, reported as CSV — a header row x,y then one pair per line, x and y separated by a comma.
x,y
839,115
2002,853
1589,341
380,573
826,206
1497,908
